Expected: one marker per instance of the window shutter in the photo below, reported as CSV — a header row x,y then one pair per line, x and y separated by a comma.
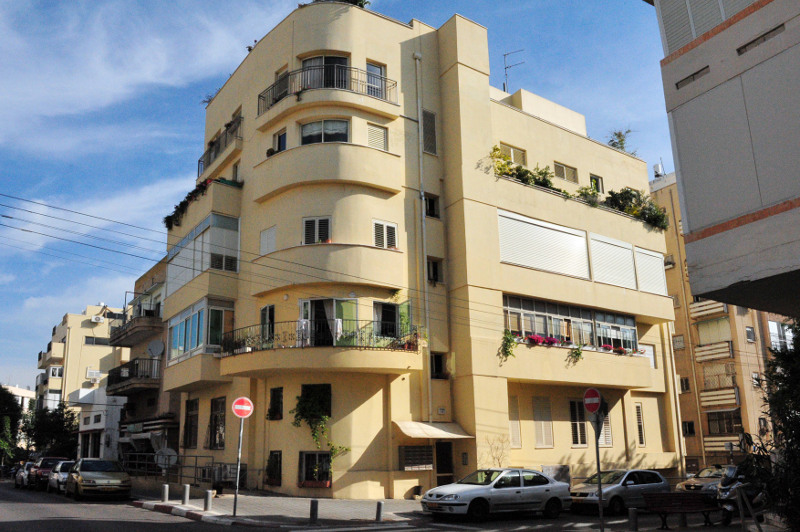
x,y
376,137
612,262
391,236
324,229
605,433
711,332
429,132
506,150
640,423
650,272
379,240
309,231
513,422
268,241
543,421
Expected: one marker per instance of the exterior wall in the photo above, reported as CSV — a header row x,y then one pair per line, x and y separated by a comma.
x,y
460,317
729,129
748,356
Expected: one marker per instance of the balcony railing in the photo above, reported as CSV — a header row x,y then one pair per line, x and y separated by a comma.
x,y
328,77
702,309
217,146
321,333
139,368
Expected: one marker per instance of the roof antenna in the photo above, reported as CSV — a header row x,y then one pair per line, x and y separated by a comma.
x,y
506,66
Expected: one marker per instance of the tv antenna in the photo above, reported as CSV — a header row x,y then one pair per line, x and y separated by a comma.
x,y
506,66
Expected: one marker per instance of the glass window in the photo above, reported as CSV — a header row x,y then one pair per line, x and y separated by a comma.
x,y
376,82
315,466
279,141
577,418
275,411
509,480
324,131
190,424
216,424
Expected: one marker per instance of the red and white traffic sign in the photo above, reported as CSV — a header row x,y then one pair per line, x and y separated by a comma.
x,y
242,407
592,400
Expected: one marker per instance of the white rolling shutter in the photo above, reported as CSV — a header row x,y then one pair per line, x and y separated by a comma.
x,y
376,137
650,272
612,262
543,246
543,421
514,432
268,240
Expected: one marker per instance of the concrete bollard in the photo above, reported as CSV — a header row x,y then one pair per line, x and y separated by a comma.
x,y
185,500
314,511
379,512
165,493
633,519
207,501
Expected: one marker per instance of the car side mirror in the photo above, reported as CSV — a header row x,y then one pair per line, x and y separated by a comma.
x,y
740,478
690,475
628,483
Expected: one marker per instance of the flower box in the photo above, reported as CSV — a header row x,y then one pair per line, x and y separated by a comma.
x,y
550,341
314,484
534,339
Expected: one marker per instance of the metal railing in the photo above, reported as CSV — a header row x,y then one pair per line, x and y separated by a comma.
x,y
139,368
328,77
186,469
321,333
232,132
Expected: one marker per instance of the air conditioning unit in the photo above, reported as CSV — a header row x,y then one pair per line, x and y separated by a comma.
x,y
98,319
93,373
94,380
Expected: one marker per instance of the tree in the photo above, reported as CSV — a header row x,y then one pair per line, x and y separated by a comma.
x,y
55,432
10,415
359,3
619,139
776,462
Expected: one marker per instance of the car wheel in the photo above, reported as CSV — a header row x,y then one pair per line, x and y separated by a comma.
x,y
478,510
616,506
727,517
48,489
552,509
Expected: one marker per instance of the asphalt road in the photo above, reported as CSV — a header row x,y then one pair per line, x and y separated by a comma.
x,y
35,511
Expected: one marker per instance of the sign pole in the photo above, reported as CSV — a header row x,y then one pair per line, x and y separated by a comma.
x,y
238,465
594,404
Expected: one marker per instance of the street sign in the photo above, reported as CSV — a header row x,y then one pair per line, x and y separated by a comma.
x,y
242,407
592,400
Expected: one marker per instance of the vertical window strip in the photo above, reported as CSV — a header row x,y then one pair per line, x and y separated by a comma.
x,y
515,434
640,424
577,418
428,132
605,433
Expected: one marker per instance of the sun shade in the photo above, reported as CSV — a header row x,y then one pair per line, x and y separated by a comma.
x,y
438,431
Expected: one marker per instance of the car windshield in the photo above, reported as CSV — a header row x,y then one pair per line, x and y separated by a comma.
x,y
481,477
104,466
65,466
608,477
49,463
710,472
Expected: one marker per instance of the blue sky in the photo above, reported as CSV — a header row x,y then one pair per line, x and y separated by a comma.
x,y
100,114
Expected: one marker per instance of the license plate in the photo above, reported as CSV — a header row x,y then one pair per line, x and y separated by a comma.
x,y
107,488
433,505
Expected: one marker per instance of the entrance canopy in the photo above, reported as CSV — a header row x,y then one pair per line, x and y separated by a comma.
x,y
435,431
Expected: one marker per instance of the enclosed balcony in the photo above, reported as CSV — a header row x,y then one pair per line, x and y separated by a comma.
x,y
53,355
714,351
331,345
134,376
221,149
141,320
715,398
706,308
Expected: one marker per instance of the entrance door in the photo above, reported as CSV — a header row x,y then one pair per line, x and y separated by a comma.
x,y
444,462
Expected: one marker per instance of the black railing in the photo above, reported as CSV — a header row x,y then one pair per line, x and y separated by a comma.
x,y
139,368
321,333
232,132
328,77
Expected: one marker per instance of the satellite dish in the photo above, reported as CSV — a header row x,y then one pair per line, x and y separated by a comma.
x,y
166,457
155,348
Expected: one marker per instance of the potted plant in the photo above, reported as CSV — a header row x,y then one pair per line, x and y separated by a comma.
x,y
606,347
550,341
620,351
535,339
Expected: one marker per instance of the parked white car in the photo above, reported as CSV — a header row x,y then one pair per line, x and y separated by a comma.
x,y
499,490
57,480
621,489
21,478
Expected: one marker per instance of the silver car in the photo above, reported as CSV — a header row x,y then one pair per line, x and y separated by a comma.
x,y
499,490
21,478
57,480
704,482
621,489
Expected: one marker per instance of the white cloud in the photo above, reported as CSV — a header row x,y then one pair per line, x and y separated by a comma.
x,y
6,278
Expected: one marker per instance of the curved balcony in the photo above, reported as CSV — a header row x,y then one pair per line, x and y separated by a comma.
x,y
132,377
335,162
316,85
331,263
222,149
331,345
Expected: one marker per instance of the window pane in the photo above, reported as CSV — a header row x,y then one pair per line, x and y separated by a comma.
x,y
311,133
214,326
335,131
193,332
200,315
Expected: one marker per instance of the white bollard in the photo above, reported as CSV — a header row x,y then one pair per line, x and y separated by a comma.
x,y
379,512
207,501
185,500
165,493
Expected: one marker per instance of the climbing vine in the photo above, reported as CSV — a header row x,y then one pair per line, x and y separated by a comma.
x,y
507,345
314,408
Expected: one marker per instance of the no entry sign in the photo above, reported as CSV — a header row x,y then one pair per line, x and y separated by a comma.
x,y
592,400
242,407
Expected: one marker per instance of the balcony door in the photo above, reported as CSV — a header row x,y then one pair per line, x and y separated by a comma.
x,y
267,322
328,322
325,72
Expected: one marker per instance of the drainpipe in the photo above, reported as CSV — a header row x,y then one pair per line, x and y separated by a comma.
x,y
423,259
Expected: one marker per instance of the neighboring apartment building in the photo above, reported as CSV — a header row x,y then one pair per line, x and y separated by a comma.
x,y
22,395
75,365
730,76
720,354
149,421
349,249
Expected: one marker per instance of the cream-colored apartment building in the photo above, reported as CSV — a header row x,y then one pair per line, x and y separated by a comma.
x,y
720,355
350,249
730,76
76,363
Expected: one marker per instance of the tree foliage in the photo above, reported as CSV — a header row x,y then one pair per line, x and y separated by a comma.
x,y
54,432
619,139
639,205
359,3
10,415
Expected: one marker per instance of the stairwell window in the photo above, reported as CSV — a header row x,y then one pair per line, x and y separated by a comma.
x,y
435,270
316,230
190,424
688,428
685,385
563,171
439,366
385,234
429,132
275,411
577,418
325,131
431,206
216,424
517,155
640,425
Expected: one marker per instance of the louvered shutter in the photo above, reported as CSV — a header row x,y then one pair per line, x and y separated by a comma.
x,y
379,236
543,421
506,150
324,229
677,28
612,262
376,137
310,231
391,236
513,422
605,433
705,15
640,423
543,246
429,132
650,272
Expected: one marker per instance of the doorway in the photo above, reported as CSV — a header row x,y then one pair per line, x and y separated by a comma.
x,y
444,462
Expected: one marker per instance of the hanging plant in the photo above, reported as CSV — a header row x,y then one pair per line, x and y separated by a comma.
x,y
574,355
313,407
507,345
